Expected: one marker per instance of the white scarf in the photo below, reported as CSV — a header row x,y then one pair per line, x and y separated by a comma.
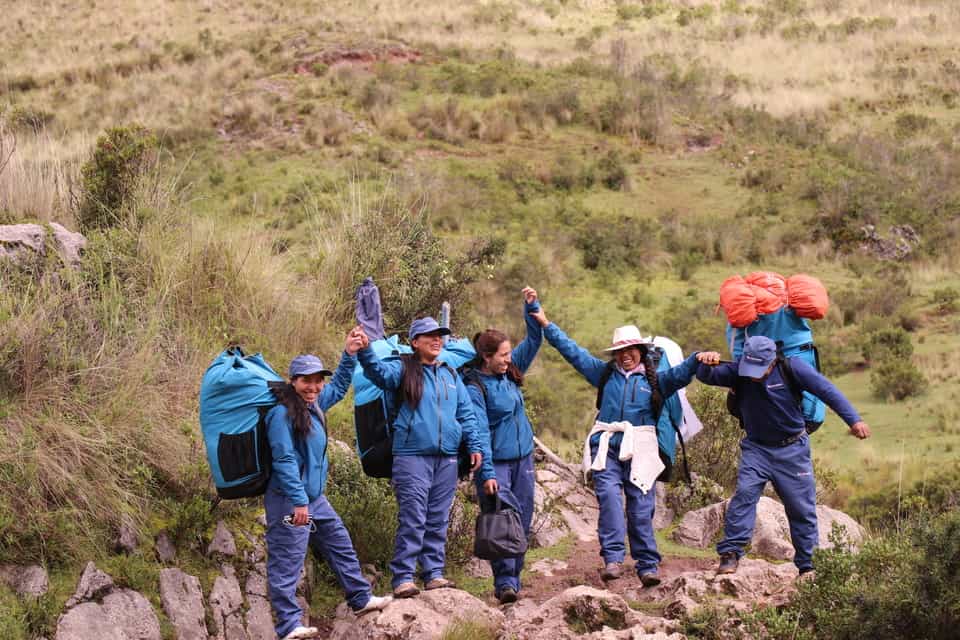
x,y
639,445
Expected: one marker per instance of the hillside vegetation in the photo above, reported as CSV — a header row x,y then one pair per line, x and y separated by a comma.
x,y
255,160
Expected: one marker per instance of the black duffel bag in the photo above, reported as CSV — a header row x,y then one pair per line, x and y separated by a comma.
x,y
499,533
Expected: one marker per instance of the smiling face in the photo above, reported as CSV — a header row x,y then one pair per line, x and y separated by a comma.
x,y
629,357
308,387
428,346
499,361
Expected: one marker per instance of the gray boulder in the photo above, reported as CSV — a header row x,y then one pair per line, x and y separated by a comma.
x,y
20,241
93,585
223,542
166,551
182,601
25,580
226,606
127,539
259,616
121,614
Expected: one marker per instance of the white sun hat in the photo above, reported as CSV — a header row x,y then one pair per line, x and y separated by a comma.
x,y
628,336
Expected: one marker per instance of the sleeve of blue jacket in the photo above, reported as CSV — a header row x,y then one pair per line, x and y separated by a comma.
x,y
524,353
334,390
721,375
483,431
813,381
285,466
676,378
467,419
588,366
386,375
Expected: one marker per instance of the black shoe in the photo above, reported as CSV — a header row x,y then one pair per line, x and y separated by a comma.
x,y
507,595
728,563
612,571
650,578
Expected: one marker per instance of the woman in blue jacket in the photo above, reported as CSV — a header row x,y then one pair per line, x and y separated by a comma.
x,y
298,514
434,416
636,404
493,380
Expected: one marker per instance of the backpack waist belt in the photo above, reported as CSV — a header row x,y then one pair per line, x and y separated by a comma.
x,y
780,443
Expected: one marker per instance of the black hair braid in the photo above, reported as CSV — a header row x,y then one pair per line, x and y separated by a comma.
x,y
411,383
651,361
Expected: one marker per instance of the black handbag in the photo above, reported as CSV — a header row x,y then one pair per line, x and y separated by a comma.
x,y
499,533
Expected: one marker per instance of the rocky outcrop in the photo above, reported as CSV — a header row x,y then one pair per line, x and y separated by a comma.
x,y
21,241
223,542
226,606
28,580
422,618
182,601
771,535
585,612
562,505
100,611
127,539
166,552
259,617
756,582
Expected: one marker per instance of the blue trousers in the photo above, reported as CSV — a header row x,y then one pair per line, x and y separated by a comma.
x,y
516,479
609,485
287,549
790,469
424,486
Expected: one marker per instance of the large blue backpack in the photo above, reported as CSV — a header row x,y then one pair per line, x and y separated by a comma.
x,y
235,396
794,339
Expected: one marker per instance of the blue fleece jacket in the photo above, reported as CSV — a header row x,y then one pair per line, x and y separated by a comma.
x,y
439,422
300,465
505,431
627,397
770,412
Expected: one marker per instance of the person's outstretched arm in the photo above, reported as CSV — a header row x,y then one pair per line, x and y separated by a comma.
x,y
589,367
524,353
816,383
676,378
386,375
721,375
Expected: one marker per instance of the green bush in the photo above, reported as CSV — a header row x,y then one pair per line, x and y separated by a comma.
x,y
885,343
901,585
947,300
715,453
617,242
897,379
885,510
111,176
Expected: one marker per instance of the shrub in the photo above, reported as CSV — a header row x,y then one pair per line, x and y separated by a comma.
x,y
611,171
617,242
886,343
907,125
715,452
897,379
111,176
947,300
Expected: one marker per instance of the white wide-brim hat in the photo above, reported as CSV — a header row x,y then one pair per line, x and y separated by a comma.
x,y
628,336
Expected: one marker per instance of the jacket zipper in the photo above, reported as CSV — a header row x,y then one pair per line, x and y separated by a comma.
x,y
436,381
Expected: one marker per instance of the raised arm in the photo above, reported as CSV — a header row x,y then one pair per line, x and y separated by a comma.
x,y
384,374
676,378
285,466
580,359
334,391
524,353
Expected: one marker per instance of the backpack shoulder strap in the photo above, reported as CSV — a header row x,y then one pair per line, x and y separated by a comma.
x,y
604,378
471,377
786,369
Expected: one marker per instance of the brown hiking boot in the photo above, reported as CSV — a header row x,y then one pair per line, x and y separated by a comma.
x,y
439,583
728,563
650,578
612,571
405,590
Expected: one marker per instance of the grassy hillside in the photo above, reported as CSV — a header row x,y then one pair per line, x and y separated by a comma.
x,y
622,157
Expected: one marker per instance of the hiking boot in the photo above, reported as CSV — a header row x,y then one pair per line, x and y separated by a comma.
x,y
302,632
650,578
507,595
807,575
728,563
612,571
439,583
405,590
375,603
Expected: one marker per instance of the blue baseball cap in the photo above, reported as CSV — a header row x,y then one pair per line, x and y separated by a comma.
x,y
421,326
307,364
758,353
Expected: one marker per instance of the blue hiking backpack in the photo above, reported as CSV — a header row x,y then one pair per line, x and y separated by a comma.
x,y
794,339
235,396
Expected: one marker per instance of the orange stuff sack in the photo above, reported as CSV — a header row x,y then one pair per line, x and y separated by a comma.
x,y
807,296
771,290
739,301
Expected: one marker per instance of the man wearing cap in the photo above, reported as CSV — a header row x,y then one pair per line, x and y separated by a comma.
x,y
298,513
776,448
433,418
632,441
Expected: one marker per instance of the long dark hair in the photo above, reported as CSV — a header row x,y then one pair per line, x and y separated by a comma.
x,y
297,411
411,382
486,344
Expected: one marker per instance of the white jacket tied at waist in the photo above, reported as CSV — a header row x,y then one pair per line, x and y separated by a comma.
x,y
639,445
